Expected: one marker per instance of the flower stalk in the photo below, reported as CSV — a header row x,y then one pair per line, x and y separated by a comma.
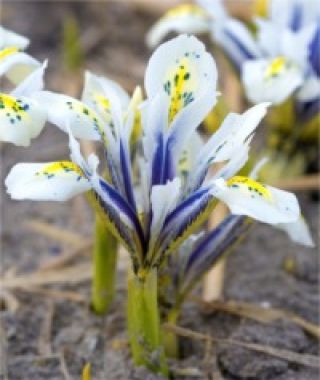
x,y
104,267
144,321
170,340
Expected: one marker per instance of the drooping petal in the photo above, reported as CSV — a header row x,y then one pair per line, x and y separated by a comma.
x,y
185,18
64,111
21,119
16,65
9,38
271,80
298,232
187,73
245,196
52,181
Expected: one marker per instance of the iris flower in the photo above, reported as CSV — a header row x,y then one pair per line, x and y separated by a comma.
x,y
14,62
21,116
280,60
173,197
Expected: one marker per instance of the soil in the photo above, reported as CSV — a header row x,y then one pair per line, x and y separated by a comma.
x,y
51,338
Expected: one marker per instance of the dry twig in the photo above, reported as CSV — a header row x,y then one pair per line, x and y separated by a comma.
x,y
45,331
72,275
257,313
290,356
55,233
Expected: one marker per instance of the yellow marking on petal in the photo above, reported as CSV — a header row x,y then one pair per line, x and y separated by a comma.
x,y
103,102
180,84
58,168
250,185
276,66
260,8
4,53
13,109
186,9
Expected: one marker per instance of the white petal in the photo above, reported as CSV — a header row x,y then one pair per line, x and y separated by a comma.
x,y
163,200
245,196
135,129
32,83
64,111
185,18
270,80
101,93
21,119
236,162
230,142
234,131
298,232
310,89
53,181
185,71
9,38
16,65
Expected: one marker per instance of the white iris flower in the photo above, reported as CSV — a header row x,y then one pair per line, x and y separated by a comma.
x,y
281,59
173,197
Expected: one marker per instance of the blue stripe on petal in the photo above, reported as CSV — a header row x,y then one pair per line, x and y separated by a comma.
x,y
126,175
215,239
241,47
212,247
157,165
174,215
295,22
307,110
123,207
168,170
314,51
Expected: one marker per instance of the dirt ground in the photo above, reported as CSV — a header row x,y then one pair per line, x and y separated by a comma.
x,y
52,335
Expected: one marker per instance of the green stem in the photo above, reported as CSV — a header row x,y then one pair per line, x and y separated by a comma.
x,y
144,322
104,267
170,339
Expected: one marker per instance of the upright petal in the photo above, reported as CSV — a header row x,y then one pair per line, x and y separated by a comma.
x,y
163,200
52,181
187,73
245,196
21,119
185,18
